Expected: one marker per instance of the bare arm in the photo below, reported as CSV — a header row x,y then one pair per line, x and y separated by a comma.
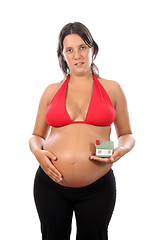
x,y
126,140
41,128
38,138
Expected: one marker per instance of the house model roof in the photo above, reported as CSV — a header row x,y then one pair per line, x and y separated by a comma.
x,y
104,144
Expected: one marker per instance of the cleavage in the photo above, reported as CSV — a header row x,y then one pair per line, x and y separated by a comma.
x,y
77,103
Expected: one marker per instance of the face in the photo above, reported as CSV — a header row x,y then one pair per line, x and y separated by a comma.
x,y
77,54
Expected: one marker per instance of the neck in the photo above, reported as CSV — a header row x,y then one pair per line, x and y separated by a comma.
x,y
80,79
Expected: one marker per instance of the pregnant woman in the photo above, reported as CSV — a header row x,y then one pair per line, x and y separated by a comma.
x,y
72,115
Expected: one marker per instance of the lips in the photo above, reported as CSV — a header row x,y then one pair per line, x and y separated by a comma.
x,y
79,63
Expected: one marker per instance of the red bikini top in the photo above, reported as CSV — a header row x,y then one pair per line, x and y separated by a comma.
x,y
100,111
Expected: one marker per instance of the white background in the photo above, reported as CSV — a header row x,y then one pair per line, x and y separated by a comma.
x,y
127,33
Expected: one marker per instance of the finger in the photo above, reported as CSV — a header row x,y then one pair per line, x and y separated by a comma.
x,y
111,160
54,178
51,155
51,169
116,155
99,159
56,172
114,158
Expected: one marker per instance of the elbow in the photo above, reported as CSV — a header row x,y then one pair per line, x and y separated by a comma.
x,y
128,140
30,142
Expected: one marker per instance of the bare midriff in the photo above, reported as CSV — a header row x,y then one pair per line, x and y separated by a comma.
x,y
73,145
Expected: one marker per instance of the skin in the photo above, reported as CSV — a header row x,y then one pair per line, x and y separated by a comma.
x,y
68,154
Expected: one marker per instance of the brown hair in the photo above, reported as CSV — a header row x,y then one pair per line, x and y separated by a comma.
x,y
84,33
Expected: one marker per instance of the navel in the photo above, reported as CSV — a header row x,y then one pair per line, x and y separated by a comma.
x,y
73,162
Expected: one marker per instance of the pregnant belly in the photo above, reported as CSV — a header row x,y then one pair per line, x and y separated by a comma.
x,y
75,164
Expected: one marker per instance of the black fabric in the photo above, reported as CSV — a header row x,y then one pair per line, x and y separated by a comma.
x,y
93,206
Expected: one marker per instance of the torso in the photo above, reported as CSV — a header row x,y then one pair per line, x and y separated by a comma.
x,y
73,144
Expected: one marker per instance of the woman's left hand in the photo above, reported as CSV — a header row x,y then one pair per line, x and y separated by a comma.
x,y
117,154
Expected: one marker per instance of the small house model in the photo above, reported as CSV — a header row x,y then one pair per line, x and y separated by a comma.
x,y
104,148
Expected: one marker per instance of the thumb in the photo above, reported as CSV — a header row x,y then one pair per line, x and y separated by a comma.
x,y
114,155
112,159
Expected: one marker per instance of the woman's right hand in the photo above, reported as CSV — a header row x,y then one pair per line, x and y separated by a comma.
x,y
46,158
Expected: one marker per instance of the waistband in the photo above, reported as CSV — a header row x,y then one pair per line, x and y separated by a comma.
x,y
109,176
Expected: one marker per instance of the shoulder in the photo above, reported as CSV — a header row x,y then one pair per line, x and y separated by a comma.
x,y
51,90
113,89
109,84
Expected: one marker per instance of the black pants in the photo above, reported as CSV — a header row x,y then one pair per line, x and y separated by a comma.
x,y
93,205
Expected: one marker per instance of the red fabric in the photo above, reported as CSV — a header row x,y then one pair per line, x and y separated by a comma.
x,y
100,112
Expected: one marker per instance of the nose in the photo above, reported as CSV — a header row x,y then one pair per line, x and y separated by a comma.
x,y
77,54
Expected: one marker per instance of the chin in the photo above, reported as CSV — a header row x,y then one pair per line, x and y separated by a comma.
x,y
81,72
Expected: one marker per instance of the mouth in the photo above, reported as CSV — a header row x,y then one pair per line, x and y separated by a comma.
x,y
79,64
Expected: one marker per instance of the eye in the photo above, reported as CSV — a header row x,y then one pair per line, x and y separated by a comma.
x,y
69,50
83,47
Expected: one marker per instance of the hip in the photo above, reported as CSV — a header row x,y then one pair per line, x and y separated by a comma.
x,y
43,179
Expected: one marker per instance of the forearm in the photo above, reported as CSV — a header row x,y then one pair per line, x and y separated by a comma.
x,y
126,141
36,143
